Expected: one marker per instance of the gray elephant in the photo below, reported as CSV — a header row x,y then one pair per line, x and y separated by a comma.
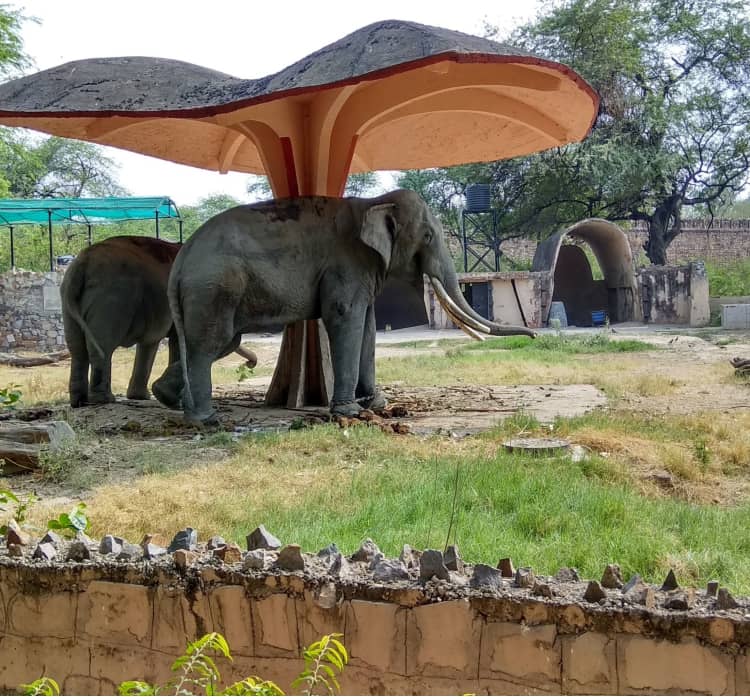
x,y
114,293
284,260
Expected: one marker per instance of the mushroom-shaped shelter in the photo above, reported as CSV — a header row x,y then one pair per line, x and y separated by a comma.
x,y
392,95
573,282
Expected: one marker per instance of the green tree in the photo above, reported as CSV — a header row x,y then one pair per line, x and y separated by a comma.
x,y
672,129
358,184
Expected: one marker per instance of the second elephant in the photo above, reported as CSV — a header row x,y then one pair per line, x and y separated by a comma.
x,y
114,293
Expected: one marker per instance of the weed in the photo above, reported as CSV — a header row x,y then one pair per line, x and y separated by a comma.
x,y
72,522
10,396
243,372
17,505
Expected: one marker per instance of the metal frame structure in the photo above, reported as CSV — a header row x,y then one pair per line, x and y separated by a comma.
x,y
479,232
83,211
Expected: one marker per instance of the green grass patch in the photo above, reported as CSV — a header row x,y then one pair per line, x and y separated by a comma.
x,y
729,279
560,343
546,513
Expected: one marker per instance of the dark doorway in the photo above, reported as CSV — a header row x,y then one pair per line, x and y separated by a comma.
x,y
399,306
576,288
479,296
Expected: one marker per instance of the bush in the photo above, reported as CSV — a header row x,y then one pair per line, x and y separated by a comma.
x,y
728,279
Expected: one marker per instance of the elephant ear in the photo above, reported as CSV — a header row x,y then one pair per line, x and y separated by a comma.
x,y
379,230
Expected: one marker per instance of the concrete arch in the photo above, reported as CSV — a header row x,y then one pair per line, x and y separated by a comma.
x,y
612,250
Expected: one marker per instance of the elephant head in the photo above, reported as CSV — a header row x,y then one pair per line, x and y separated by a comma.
x,y
409,239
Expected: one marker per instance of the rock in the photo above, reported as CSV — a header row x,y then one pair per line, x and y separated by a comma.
x,y
215,541
151,551
670,582
453,559
484,576
680,599
542,589
328,551
325,597
506,567
567,575
431,564
367,550
184,558
410,557
639,594
78,551
712,588
612,578
376,559
184,539
594,592
340,566
389,570
525,577
130,552
83,537
52,538
111,545
15,550
229,553
725,601
663,478
290,559
635,579
260,538
45,550
16,536
254,559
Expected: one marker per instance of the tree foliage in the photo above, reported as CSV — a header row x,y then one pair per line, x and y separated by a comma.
x,y
672,128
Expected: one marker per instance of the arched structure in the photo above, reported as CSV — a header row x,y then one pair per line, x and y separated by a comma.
x,y
573,282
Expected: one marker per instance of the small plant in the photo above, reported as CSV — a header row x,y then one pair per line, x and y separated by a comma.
x,y
43,686
71,523
9,501
322,659
10,396
244,372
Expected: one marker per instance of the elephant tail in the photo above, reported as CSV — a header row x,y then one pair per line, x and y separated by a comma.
x,y
72,289
176,309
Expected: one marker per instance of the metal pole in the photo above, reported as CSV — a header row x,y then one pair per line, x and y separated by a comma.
x,y
12,249
49,228
89,233
179,223
466,244
495,242
157,225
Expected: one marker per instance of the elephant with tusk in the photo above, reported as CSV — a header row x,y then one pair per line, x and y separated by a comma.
x,y
114,293
279,261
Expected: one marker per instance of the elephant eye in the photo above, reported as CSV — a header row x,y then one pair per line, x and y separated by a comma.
x,y
428,237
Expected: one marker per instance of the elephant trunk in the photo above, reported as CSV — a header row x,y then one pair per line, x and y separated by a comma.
x,y
450,297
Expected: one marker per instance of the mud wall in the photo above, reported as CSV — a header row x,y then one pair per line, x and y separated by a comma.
x,y
675,294
30,311
725,241
92,626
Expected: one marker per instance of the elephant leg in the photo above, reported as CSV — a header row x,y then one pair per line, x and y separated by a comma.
x,y
144,362
345,326
367,393
100,385
199,372
168,387
78,384
174,347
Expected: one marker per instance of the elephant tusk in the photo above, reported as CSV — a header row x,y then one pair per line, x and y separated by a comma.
x,y
463,327
454,310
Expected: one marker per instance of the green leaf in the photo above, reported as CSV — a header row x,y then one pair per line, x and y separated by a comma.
x,y
135,687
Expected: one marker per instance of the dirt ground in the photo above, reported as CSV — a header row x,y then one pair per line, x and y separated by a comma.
x,y
130,438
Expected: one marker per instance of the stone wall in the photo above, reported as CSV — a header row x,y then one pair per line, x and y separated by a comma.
x,y
725,241
675,294
30,311
93,625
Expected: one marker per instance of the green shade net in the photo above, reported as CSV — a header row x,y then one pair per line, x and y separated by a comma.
x,y
19,211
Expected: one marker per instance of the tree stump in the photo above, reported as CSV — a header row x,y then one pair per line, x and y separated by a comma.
x,y
21,442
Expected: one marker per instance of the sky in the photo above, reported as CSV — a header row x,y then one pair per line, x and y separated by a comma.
x,y
245,38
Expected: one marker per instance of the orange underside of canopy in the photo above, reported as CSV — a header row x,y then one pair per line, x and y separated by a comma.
x,y
440,113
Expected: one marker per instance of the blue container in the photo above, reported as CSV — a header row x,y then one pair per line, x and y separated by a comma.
x,y
598,317
478,198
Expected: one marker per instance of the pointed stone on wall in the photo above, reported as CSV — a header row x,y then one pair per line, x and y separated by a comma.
x,y
260,538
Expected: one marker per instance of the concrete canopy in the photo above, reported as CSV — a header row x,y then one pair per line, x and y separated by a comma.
x,y
392,95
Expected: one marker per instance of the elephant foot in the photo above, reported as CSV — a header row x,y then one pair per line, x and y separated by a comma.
x,y
138,394
101,398
376,401
348,409
166,396
202,419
